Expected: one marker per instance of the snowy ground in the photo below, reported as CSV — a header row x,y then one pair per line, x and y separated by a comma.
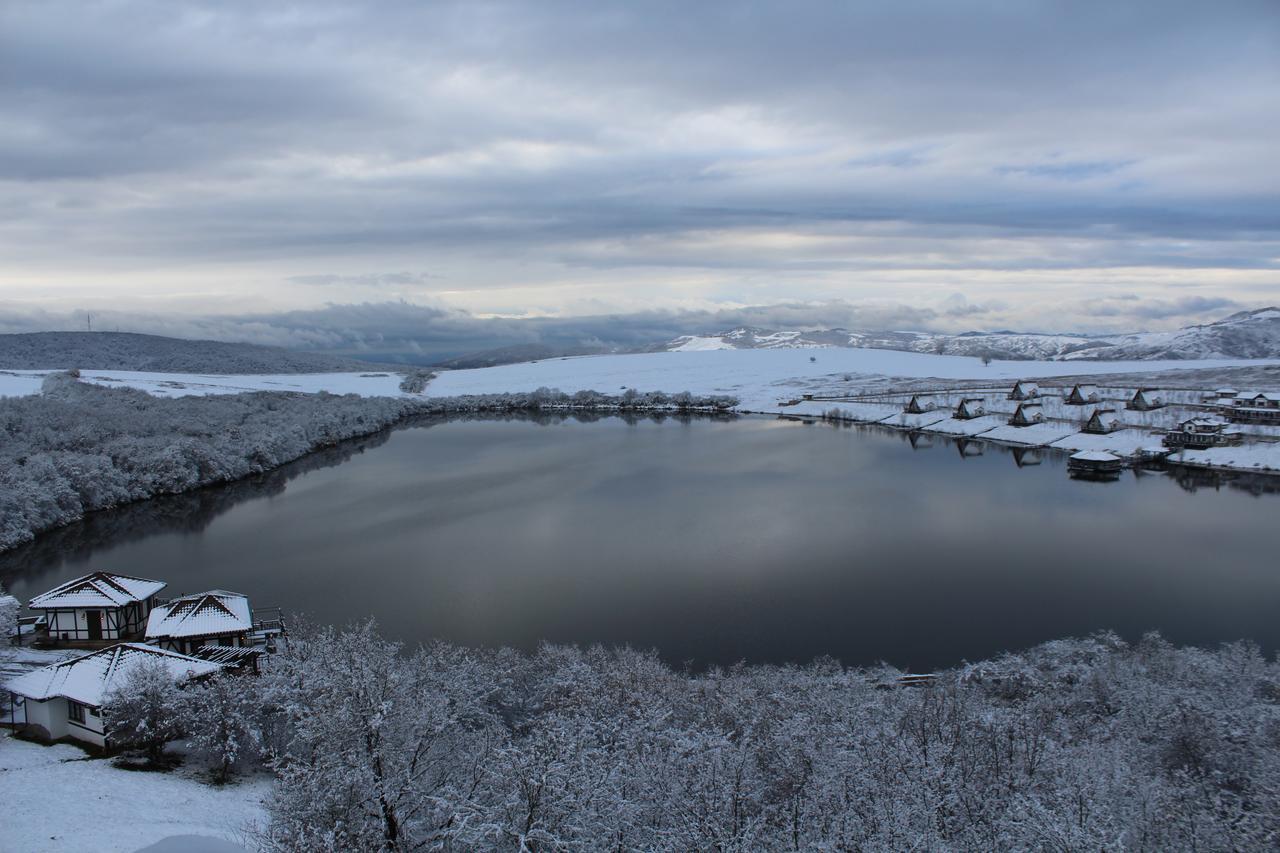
x,y
760,378
16,383
56,798
771,380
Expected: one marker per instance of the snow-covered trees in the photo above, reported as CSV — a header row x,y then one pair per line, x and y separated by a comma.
x,y
1081,744
8,616
144,709
222,721
78,447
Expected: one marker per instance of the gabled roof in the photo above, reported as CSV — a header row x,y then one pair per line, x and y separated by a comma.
x,y
200,615
1105,417
1246,396
1084,390
100,589
89,678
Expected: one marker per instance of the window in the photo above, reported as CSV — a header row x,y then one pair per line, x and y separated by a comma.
x,y
75,712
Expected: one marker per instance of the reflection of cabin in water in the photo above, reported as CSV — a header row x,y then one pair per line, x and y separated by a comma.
x,y
1027,414
1146,399
1252,407
1202,433
96,610
920,440
970,408
969,447
1082,395
917,406
1024,391
1103,421
1025,457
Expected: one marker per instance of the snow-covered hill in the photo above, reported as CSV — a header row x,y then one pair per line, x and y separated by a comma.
x,y
128,351
1248,334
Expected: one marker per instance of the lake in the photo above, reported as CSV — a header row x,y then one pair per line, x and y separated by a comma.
x,y
711,541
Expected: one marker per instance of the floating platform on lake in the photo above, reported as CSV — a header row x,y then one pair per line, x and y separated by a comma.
x,y
1095,464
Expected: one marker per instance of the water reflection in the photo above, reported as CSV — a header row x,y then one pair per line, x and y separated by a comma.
x,y
711,541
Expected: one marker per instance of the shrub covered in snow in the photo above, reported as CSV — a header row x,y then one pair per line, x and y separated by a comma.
x,y
144,710
8,616
1075,745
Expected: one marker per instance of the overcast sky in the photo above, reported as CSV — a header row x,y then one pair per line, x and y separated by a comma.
x,y
956,165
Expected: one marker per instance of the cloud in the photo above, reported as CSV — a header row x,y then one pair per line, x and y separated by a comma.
x,y
153,151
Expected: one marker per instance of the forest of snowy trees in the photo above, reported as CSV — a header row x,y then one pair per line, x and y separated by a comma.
x,y
1086,744
78,447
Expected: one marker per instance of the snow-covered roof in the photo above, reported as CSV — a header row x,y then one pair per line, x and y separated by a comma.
x,y
1095,456
1084,390
200,615
1247,396
1105,417
100,589
89,678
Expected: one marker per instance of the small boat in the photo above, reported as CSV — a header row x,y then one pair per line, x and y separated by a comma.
x,y
1094,465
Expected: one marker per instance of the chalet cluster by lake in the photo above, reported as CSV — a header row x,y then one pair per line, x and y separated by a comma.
x,y
120,621
1100,427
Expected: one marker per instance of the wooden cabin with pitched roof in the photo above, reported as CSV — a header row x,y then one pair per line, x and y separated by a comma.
x,y
917,406
1146,399
1102,422
1083,395
1028,414
1023,390
95,610
970,408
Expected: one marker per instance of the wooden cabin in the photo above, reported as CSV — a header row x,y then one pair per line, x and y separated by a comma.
x,y
1083,395
96,610
1201,434
1024,391
1146,399
64,700
1028,414
917,406
1103,421
213,618
970,408
1255,407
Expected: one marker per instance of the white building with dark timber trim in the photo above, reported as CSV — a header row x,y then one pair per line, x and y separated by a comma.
x,y
64,700
213,618
96,610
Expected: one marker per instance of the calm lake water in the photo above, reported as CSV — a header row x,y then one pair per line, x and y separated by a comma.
x,y
712,541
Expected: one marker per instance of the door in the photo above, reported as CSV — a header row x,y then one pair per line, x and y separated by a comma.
x,y
93,618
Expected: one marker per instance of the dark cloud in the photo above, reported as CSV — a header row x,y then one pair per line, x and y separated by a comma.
x,y
481,137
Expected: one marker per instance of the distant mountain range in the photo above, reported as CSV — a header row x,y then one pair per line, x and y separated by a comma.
x,y
129,351
1248,334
